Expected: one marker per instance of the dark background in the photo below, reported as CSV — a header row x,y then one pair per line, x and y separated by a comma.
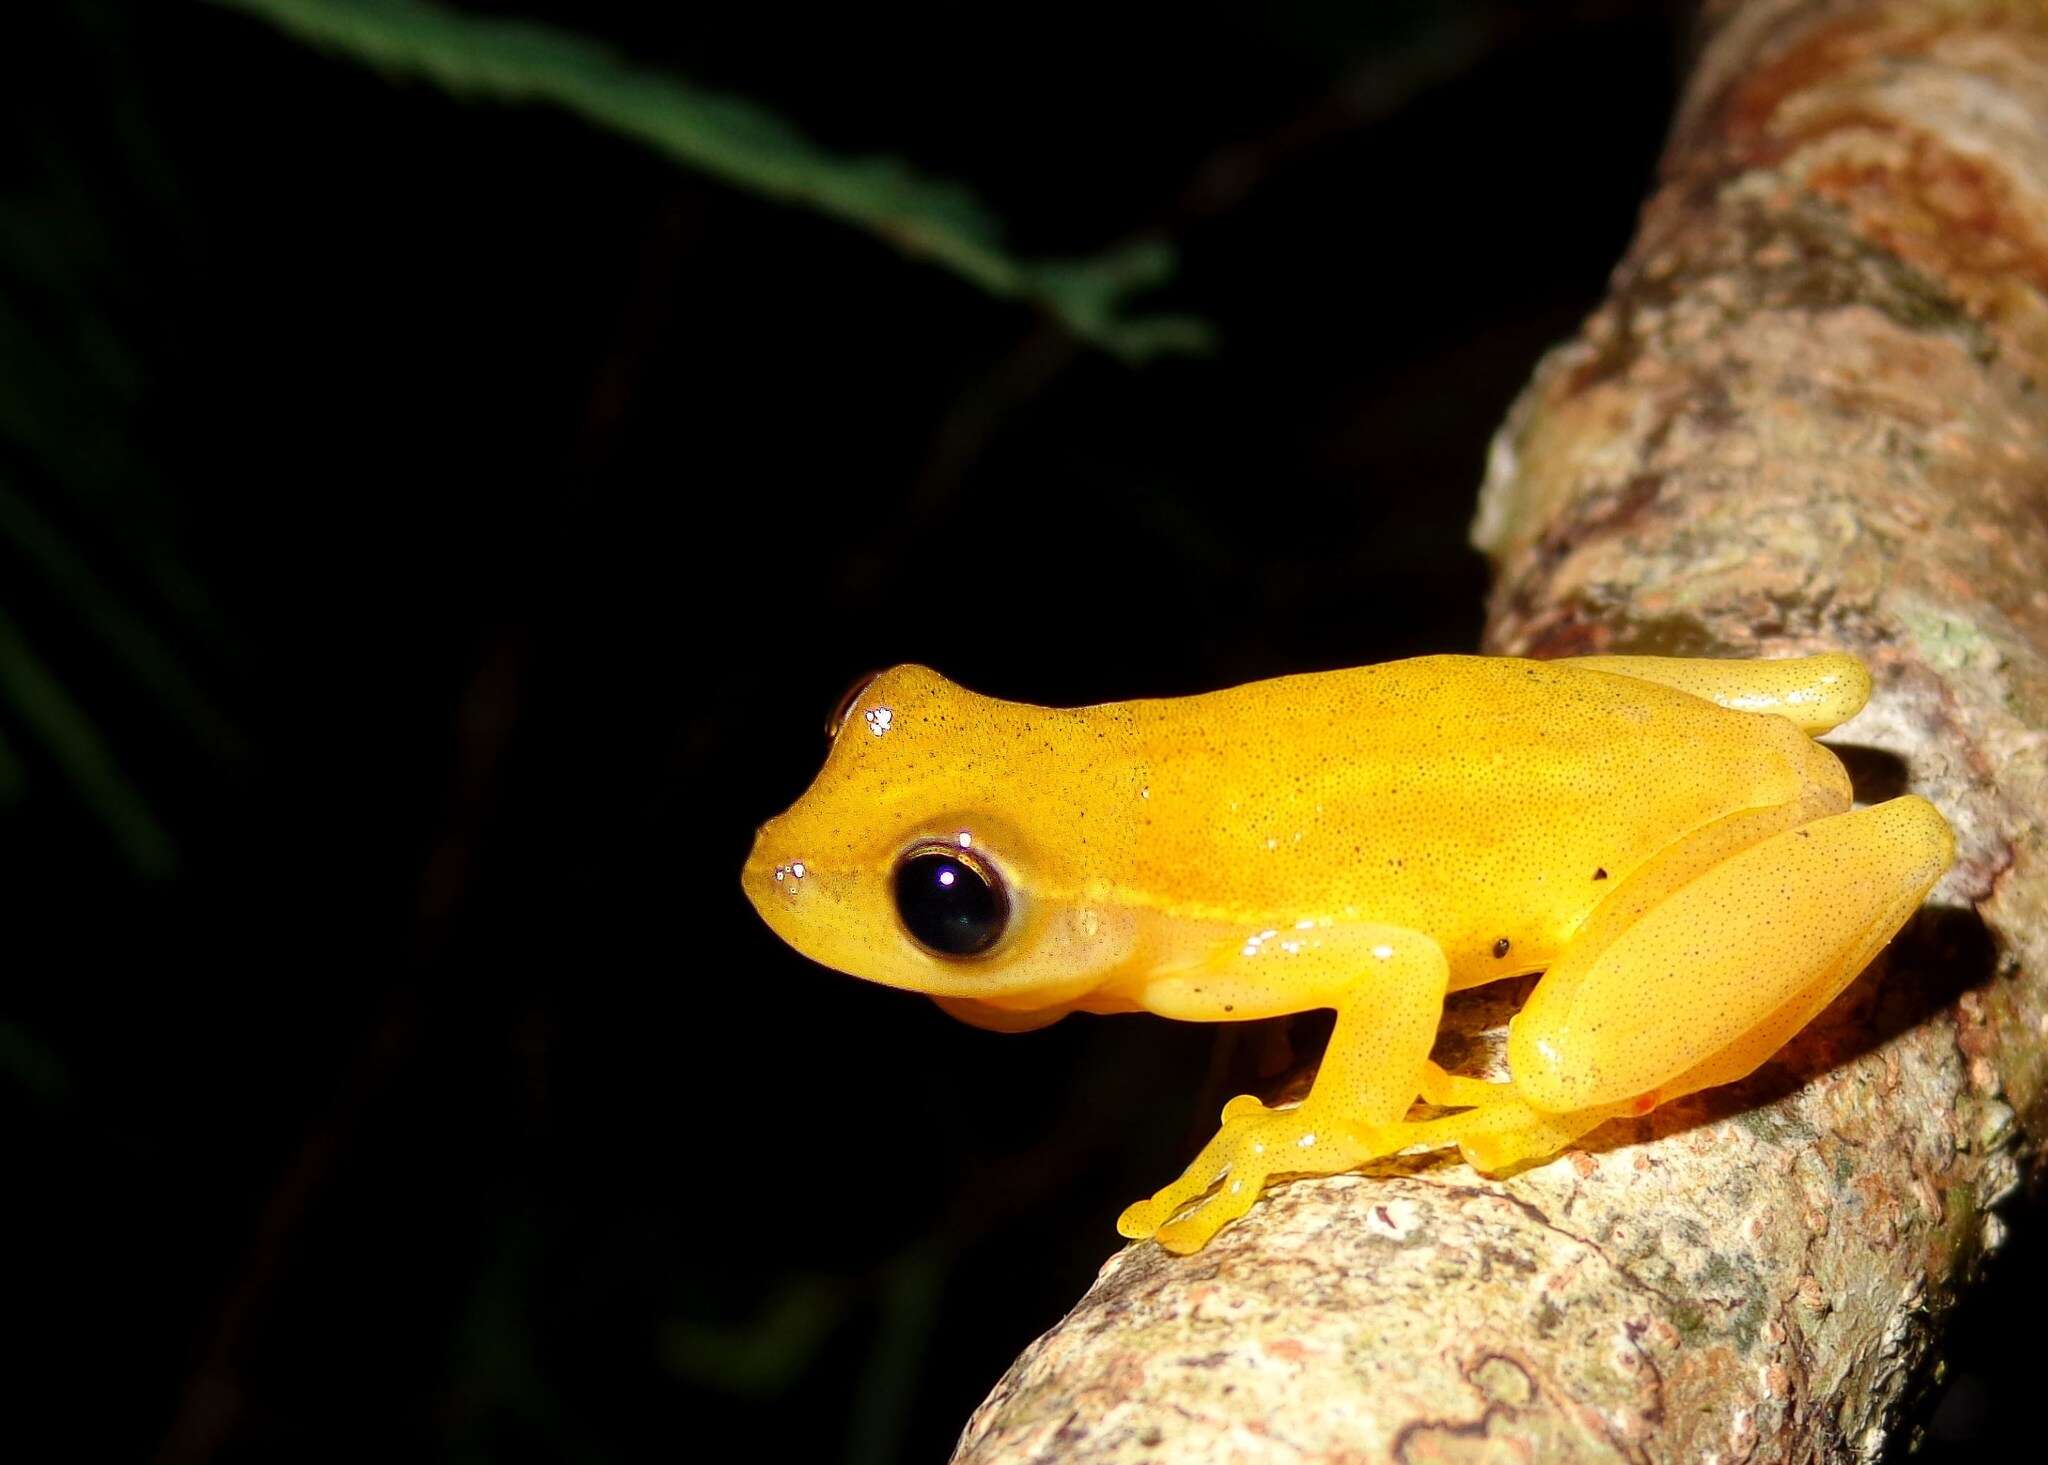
x,y
431,535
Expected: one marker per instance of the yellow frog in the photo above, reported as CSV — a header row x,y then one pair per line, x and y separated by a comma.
x,y
1661,837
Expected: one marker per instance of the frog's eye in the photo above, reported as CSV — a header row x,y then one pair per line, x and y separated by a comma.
x,y
848,700
951,902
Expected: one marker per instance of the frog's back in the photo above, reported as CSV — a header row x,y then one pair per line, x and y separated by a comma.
x,y
1479,799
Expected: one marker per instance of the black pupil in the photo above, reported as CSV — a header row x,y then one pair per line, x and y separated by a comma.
x,y
949,905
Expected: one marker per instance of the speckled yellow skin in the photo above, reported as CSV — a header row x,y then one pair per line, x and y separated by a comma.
x,y
1661,837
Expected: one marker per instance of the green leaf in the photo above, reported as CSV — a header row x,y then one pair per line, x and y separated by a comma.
x,y
745,145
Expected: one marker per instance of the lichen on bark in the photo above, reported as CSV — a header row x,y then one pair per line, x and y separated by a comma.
x,y
1812,412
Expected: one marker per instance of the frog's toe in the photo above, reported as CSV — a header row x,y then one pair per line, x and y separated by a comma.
x,y
1142,1218
1518,1135
1223,1155
1255,1143
1149,1216
1492,1154
1455,1091
1192,1231
1145,1217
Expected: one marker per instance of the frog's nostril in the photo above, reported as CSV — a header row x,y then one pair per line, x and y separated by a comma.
x,y
772,877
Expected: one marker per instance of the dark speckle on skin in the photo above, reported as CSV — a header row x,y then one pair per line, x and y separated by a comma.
x,y
1601,873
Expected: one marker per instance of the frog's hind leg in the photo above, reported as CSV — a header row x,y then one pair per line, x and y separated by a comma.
x,y
1709,981
1699,968
1454,1090
1505,1130
1815,692
1500,1128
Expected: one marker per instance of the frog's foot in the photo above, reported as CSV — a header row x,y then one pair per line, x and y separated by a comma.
x,y
1254,1144
1455,1091
1503,1133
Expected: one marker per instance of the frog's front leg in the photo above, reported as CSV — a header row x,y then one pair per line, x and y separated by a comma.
x,y
1387,985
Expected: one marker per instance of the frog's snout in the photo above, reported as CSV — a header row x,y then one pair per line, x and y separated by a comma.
x,y
814,910
766,878
777,879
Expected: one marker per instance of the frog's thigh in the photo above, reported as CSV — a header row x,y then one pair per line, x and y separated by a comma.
x,y
1710,980
1815,692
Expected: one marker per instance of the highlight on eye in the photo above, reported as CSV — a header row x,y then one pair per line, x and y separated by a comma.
x,y
951,902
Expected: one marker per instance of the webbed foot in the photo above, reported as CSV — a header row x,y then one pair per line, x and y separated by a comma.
x,y
1254,1144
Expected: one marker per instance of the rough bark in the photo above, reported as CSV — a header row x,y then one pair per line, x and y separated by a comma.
x,y
1812,412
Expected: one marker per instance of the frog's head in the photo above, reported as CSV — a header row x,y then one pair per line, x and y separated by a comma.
x,y
955,844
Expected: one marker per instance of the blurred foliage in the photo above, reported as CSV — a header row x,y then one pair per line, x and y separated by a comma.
x,y
36,695
748,146
88,556
763,1356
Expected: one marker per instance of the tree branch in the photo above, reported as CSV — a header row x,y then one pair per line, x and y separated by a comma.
x,y
1812,412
